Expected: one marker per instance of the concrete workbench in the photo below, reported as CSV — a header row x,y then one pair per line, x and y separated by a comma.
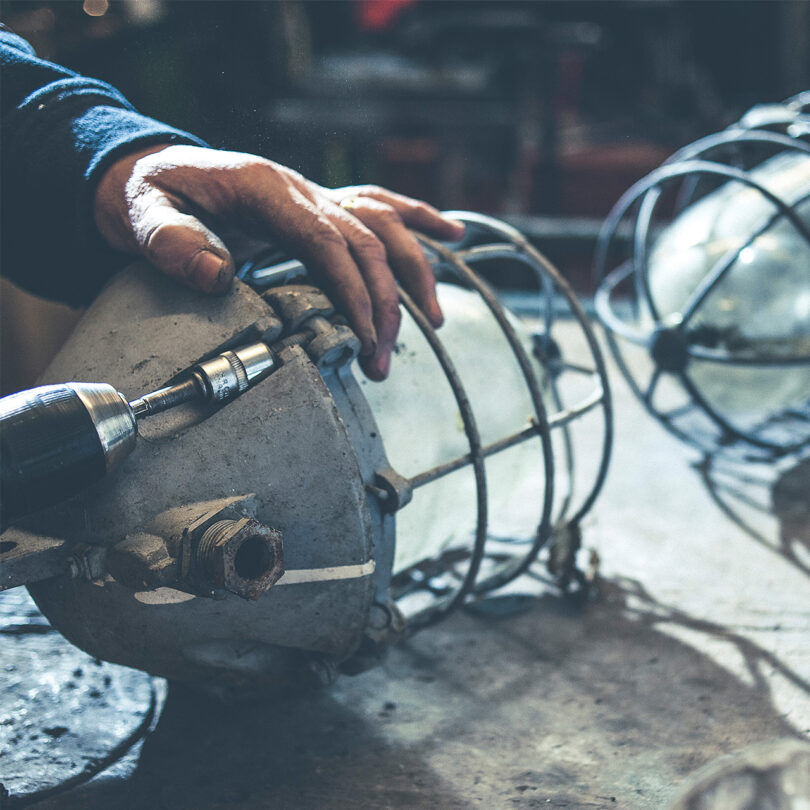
x,y
694,643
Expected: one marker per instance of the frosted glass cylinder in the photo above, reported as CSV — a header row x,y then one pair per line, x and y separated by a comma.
x,y
762,305
421,427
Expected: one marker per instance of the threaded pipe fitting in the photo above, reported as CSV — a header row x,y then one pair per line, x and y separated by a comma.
x,y
240,556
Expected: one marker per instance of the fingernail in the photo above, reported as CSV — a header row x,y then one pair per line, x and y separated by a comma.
x,y
435,315
458,225
208,272
383,365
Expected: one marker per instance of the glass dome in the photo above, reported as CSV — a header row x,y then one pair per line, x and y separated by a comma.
x,y
711,256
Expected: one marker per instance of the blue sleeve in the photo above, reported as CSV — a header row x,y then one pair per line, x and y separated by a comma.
x,y
58,133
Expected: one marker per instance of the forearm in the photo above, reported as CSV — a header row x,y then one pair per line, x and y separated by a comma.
x,y
60,132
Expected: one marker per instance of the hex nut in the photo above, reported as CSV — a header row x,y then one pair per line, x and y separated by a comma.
x,y
243,557
336,347
296,303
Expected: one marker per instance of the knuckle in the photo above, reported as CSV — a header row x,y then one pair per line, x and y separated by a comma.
x,y
370,245
327,237
264,174
393,312
387,304
414,266
420,267
369,190
387,321
290,174
422,270
387,215
162,236
257,163
340,284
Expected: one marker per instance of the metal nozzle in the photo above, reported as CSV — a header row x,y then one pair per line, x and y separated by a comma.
x,y
220,378
165,398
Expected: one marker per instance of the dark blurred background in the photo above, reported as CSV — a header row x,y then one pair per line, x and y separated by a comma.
x,y
505,107
540,112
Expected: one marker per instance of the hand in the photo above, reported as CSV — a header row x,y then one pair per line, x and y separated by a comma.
x,y
159,202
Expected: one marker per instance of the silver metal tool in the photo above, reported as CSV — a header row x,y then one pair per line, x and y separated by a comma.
x,y
56,440
297,498
219,379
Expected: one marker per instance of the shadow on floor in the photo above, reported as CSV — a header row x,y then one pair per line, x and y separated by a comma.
x,y
562,706
748,494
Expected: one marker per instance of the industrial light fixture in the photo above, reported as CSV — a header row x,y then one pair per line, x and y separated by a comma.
x,y
343,512
705,265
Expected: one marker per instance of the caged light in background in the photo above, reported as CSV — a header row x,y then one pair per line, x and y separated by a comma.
x,y
705,264
303,527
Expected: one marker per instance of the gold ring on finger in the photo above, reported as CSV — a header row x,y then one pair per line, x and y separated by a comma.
x,y
349,203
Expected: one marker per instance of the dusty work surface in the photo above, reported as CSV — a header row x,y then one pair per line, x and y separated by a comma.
x,y
695,644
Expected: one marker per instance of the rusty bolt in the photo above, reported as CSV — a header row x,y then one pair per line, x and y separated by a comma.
x,y
240,556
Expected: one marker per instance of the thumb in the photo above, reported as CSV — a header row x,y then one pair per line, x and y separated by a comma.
x,y
180,245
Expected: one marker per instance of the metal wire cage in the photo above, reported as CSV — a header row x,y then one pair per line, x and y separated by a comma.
x,y
705,265
486,562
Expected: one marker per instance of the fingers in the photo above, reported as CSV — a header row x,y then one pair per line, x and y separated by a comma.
x,y
369,253
145,203
317,240
179,244
353,252
414,213
404,253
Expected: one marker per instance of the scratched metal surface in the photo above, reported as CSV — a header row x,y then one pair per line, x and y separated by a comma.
x,y
695,644
61,711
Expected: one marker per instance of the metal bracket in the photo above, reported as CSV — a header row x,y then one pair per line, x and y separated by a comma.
x,y
391,489
210,546
333,344
296,303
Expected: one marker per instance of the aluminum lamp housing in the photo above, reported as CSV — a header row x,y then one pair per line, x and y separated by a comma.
x,y
302,528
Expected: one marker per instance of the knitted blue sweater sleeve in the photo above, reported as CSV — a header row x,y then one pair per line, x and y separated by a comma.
x,y
59,131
